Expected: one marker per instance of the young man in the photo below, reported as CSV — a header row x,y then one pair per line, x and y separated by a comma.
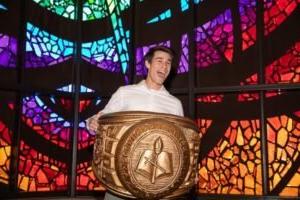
x,y
148,95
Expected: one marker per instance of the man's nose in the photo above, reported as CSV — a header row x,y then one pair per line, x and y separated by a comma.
x,y
165,66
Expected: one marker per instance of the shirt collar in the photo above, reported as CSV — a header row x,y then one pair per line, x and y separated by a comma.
x,y
143,84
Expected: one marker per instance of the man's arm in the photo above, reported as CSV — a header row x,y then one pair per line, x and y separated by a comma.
x,y
180,109
114,105
92,122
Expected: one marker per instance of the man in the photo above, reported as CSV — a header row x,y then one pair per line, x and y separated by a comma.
x,y
148,95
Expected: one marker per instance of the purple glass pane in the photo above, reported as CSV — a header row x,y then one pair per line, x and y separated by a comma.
x,y
8,51
214,41
184,57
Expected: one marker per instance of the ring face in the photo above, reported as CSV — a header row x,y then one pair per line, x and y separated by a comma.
x,y
152,158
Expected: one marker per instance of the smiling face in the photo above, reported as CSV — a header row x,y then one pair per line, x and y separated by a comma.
x,y
158,69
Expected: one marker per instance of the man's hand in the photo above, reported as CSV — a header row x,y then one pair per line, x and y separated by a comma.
x,y
92,122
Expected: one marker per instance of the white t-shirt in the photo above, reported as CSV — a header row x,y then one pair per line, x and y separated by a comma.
x,y
138,97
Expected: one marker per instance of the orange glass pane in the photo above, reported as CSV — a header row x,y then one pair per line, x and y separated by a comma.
x,y
293,187
234,165
283,154
86,179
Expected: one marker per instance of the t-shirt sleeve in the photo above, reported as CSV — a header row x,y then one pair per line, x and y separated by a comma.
x,y
180,109
115,103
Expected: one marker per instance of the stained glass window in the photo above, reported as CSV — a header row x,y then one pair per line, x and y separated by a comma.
x,y
44,49
232,164
85,137
86,179
286,69
120,35
39,172
228,121
247,10
7,117
293,185
94,9
5,152
276,12
184,57
42,119
165,15
215,33
70,88
65,8
283,136
2,7
8,51
97,9
102,53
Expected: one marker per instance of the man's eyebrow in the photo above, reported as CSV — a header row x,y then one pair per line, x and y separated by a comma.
x,y
161,58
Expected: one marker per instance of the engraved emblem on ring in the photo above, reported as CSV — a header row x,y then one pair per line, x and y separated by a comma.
x,y
155,163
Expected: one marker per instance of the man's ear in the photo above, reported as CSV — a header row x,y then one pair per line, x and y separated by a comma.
x,y
147,64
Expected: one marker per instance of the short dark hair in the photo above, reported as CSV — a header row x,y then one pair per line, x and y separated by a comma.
x,y
149,55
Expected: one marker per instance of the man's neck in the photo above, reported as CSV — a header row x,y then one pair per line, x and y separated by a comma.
x,y
151,85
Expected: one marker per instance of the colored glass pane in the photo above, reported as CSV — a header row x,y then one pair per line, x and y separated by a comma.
x,y
44,49
5,152
65,8
39,172
211,98
197,1
94,9
8,51
120,35
203,125
286,69
276,12
234,165
41,118
59,132
2,7
249,96
85,137
70,88
247,9
293,185
184,56
252,80
102,53
214,41
7,119
163,16
97,9
184,4
86,179
283,134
